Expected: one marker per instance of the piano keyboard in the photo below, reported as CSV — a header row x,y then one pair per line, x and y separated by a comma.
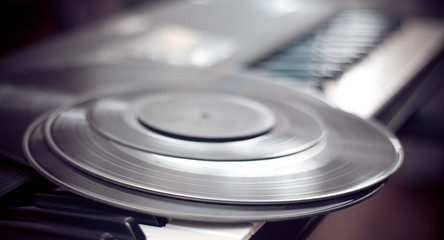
x,y
380,61
331,48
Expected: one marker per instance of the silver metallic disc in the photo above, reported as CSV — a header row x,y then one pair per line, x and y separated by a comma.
x,y
205,116
335,167
47,163
313,152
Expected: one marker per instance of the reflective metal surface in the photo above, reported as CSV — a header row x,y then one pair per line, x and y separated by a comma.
x,y
312,153
86,185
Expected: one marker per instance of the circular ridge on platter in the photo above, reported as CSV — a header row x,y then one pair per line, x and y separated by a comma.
x,y
247,182
344,161
63,174
294,129
313,152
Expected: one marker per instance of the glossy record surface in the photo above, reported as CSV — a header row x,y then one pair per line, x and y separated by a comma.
x,y
67,176
313,152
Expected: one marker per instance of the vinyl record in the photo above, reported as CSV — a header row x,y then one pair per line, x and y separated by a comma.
x,y
226,141
69,177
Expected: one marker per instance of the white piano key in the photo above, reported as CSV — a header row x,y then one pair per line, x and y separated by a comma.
x,y
233,230
167,233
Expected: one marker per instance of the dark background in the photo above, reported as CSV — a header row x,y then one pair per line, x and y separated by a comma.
x,y
410,206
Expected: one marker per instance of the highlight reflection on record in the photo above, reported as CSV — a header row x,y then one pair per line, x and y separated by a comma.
x,y
215,142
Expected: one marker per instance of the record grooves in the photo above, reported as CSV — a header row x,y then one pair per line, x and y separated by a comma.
x,y
213,150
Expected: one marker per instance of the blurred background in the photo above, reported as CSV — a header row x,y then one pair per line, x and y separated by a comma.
x,y
28,21
410,206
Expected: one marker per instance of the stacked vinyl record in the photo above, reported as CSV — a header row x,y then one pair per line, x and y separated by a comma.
x,y
225,148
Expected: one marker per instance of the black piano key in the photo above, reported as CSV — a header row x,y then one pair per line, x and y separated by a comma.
x,y
297,229
333,62
13,175
314,58
70,202
308,80
301,66
360,26
17,230
125,228
320,46
341,55
339,52
307,75
312,78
